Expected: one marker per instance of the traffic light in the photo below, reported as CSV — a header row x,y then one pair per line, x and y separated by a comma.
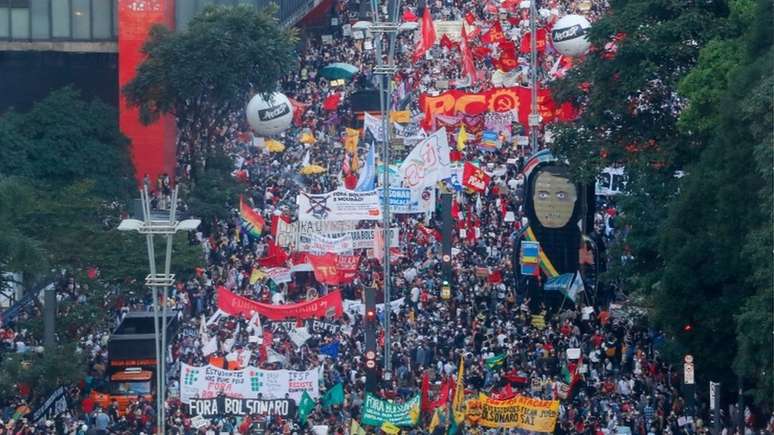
x,y
370,327
687,327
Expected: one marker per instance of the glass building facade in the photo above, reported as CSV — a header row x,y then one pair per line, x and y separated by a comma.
x,y
94,20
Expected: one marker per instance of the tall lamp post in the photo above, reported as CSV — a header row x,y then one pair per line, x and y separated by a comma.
x,y
162,227
534,117
385,71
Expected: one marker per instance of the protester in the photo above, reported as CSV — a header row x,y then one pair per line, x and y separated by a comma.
x,y
511,343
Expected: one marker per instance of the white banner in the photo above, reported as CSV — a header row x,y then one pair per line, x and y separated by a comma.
x,y
361,239
339,205
209,381
405,201
278,274
357,307
321,244
428,163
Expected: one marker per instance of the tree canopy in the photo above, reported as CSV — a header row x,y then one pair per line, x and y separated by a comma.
x,y
207,73
687,86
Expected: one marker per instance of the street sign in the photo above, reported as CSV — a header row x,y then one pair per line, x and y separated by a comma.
x,y
371,355
688,359
370,363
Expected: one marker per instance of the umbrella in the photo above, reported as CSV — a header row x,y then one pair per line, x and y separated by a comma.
x,y
274,147
339,70
311,170
362,25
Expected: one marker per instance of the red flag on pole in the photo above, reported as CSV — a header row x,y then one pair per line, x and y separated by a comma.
x,y
468,67
494,34
428,36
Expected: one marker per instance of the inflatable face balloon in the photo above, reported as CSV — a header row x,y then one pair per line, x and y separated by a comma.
x,y
271,116
554,198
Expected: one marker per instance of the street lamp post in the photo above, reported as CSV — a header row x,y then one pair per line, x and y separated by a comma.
x,y
162,227
534,116
385,71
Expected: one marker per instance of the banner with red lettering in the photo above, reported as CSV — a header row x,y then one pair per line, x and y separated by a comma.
x,y
234,305
474,178
516,98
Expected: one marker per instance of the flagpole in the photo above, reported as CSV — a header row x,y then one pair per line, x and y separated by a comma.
x,y
534,117
385,73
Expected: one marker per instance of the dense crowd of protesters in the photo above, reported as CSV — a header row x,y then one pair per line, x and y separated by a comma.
x,y
626,386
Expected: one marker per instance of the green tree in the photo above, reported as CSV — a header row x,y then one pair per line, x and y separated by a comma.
x,y
64,139
629,116
207,73
41,372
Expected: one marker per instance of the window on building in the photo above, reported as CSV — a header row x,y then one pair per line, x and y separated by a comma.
x,y
20,19
101,19
60,19
41,22
5,20
81,19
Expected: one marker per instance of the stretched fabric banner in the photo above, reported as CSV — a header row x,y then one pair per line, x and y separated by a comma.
x,y
339,205
234,305
520,413
334,269
474,178
428,163
208,381
404,201
516,98
377,411
278,274
358,307
222,406
319,244
55,404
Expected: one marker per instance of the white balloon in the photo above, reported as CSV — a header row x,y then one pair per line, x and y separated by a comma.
x,y
269,117
569,35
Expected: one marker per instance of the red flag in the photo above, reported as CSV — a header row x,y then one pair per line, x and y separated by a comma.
x,y
474,178
507,60
481,53
426,406
455,210
494,34
298,111
443,394
541,41
446,42
470,18
332,102
428,36
468,67
408,16
276,257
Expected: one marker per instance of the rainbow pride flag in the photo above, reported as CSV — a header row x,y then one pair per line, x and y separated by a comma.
x,y
252,222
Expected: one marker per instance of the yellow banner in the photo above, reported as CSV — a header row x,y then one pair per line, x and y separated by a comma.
x,y
400,117
520,412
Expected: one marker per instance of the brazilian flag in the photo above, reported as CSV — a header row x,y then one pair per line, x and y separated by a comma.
x,y
495,361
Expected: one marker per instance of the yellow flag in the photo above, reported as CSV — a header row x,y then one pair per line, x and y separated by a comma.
x,y
256,275
356,429
462,137
351,137
434,422
402,116
458,403
355,164
390,428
